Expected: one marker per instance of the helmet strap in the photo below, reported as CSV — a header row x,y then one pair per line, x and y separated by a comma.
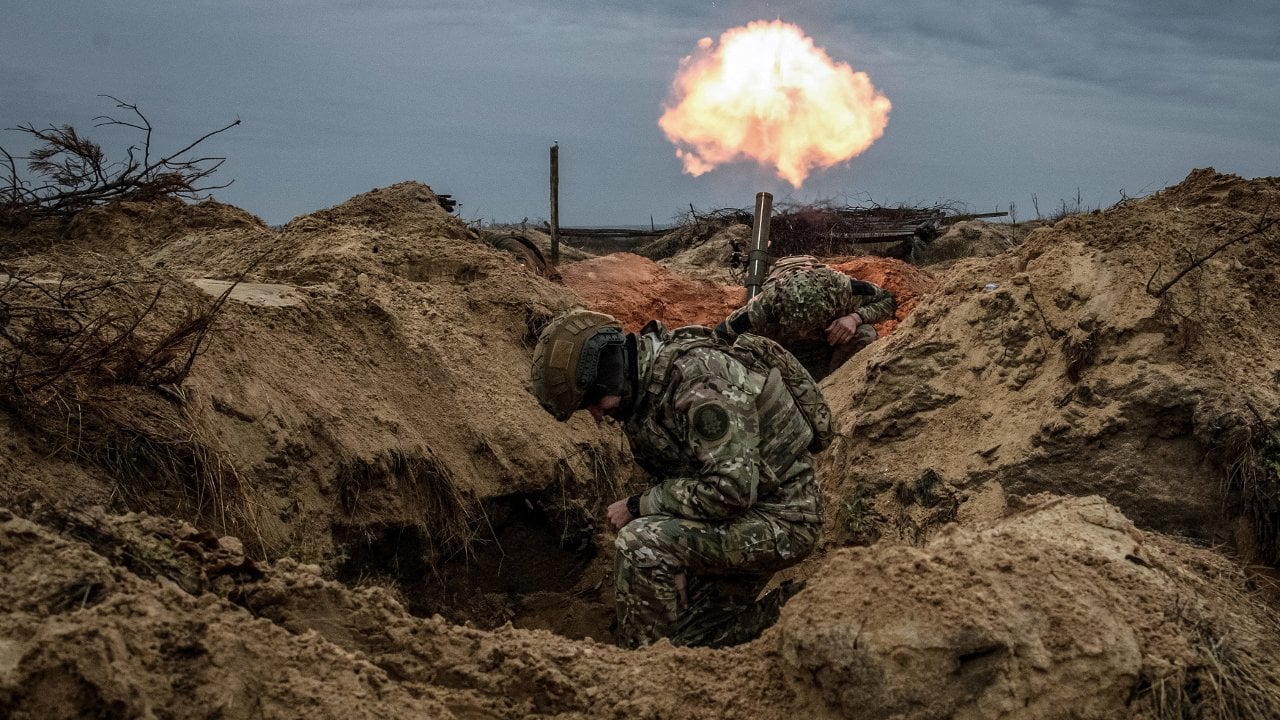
x,y
631,386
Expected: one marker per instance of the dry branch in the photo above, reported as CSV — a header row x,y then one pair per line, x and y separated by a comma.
x,y
73,172
94,366
1261,227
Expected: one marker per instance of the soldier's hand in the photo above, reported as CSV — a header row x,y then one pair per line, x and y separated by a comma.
x,y
619,515
841,330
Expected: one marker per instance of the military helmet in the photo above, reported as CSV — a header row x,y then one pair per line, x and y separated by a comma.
x,y
793,263
567,356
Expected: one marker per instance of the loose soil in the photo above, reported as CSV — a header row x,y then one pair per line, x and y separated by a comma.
x,y
1053,495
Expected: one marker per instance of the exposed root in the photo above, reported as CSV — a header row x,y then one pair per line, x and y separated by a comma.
x,y
1080,349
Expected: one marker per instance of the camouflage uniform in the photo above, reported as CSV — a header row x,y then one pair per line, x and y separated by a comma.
x,y
736,497
797,302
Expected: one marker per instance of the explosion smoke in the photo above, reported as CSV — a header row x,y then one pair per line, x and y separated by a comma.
x,y
767,93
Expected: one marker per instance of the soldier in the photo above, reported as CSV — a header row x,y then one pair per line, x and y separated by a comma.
x,y
820,315
734,497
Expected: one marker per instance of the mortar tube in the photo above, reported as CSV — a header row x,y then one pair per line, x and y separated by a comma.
x,y
758,256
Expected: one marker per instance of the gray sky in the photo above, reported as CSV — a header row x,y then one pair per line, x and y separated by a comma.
x,y
993,101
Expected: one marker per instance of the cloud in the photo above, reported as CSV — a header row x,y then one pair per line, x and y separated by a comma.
x,y
339,96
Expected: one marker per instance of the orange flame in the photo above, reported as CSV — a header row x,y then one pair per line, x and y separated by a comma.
x,y
769,94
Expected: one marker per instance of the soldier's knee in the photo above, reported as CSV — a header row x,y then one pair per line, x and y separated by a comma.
x,y
627,540
634,544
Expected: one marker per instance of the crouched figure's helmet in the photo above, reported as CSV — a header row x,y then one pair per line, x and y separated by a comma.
x,y
784,266
567,357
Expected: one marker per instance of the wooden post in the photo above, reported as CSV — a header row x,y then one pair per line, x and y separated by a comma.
x,y
555,203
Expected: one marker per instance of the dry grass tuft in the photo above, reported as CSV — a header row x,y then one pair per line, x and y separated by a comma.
x,y
1255,481
1080,349
417,482
93,366
1232,634
1224,682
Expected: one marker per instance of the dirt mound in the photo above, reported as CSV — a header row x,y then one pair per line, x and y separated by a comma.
x,y
1063,610
362,403
1055,367
970,238
710,258
406,209
130,228
699,231
387,521
636,290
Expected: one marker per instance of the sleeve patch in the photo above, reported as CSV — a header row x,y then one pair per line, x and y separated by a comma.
x,y
711,422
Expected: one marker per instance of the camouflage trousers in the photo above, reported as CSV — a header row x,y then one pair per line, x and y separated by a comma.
x,y
725,566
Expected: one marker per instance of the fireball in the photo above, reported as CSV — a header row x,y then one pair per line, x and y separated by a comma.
x,y
767,93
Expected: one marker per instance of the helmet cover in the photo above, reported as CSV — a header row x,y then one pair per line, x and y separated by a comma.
x,y
567,358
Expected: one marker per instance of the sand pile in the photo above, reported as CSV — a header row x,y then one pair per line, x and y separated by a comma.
x,y
373,491
361,402
1054,367
1061,610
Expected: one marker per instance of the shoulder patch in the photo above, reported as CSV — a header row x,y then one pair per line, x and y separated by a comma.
x,y
710,421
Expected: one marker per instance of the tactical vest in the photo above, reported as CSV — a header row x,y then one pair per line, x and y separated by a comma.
x,y
760,355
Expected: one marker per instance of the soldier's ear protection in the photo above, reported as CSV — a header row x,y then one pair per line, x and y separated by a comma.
x,y
609,375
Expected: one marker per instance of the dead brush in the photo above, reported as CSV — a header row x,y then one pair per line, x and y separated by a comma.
x,y
536,317
1185,328
1080,349
90,364
823,228
924,505
1232,635
69,172
605,468
1223,683
1254,479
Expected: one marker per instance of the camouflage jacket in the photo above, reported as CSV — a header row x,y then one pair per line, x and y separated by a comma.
x,y
717,438
797,306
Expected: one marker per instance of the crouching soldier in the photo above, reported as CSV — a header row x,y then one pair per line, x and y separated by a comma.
x,y
734,498
820,315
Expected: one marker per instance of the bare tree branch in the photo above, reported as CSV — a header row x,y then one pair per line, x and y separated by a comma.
x,y
74,172
1261,227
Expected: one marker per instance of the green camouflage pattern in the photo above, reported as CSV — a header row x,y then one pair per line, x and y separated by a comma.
x,y
726,565
799,382
734,498
797,303
705,479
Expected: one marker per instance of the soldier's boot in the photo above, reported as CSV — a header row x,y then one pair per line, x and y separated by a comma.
x,y
724,620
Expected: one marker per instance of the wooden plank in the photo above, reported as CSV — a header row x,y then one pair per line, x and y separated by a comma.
x,y
611,232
